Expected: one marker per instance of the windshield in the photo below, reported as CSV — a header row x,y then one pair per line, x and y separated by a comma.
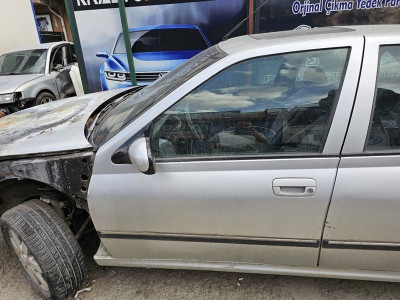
x,y
160,40
23,62
125,112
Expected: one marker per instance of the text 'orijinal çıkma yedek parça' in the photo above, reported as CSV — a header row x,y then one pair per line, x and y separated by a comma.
x,y
328,6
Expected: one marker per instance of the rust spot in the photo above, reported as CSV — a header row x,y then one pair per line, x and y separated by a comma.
x,y
6,123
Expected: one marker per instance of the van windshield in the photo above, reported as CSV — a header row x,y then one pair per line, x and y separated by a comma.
x,y
161,40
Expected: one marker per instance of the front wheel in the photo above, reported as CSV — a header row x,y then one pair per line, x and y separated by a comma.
x,y
44,98
45,248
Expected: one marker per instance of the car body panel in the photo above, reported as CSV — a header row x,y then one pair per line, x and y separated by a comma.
x,y
53,127
10,84
365,203
208,210
61,171
104,260
63,82
219,202
32,89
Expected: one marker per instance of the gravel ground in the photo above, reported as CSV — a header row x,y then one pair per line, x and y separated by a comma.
x,y
131,283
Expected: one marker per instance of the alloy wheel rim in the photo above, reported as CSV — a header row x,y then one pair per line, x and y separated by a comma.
x,y
46,100
28,261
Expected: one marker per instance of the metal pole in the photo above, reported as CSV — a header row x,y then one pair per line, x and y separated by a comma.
x,y
124,22
254,16
77,45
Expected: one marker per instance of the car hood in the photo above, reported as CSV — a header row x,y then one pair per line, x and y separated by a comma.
x,y
55,127
9,83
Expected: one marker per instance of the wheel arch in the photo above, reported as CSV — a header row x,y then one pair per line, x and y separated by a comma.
x,y
45,91
68,174
14,191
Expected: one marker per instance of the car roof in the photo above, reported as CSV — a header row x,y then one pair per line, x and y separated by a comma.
x,y
166,26
243,43
41,46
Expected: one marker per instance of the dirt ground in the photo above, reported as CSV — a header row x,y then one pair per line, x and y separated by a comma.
x,y
131,283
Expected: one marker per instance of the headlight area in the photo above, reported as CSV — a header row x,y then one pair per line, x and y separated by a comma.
x,y
9,98
118,76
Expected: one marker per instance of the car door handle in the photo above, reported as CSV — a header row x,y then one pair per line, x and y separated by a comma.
x,y
294,187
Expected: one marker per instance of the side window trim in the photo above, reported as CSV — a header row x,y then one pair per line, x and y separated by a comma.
x,y
245,157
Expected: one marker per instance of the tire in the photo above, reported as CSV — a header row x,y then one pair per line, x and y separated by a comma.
x,y
43,98
47,251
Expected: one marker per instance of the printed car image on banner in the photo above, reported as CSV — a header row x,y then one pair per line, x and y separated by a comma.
x,y
298,14
163,34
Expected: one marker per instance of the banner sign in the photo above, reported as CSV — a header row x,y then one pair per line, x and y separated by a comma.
x,y
328,6
297,14
163,35
104,4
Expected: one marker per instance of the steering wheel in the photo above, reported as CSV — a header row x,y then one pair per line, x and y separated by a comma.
x,y
269,130
178,123
189,121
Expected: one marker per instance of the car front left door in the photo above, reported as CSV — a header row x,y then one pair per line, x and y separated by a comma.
x,y
60,66
245,165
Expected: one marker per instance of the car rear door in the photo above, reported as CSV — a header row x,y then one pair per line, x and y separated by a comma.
x,y
246,162
363,226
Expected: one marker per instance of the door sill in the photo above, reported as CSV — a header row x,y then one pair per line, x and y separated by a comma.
x,y
105,260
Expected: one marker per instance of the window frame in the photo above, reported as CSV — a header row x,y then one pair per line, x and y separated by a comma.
x,y
53,54
340,124
272,155
372,112
69,55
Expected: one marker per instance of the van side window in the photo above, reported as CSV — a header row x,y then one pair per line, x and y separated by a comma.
x,y
384,132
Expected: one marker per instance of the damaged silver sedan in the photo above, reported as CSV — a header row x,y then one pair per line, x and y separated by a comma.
x,y
36,76
273,153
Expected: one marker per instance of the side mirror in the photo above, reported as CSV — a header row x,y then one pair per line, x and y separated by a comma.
x,y
58,67
140,154
103,54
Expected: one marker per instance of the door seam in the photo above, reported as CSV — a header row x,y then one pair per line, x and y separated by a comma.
x,y
340,157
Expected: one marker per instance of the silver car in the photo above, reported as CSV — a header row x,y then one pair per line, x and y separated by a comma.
x,y
272,153
35,76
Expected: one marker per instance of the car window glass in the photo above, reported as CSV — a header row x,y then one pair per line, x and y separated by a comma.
x,y
273,104
69,55
73,54
163,40
125,112
23,62
384,132
57,57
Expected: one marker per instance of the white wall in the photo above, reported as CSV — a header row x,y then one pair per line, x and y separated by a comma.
x,y
17,25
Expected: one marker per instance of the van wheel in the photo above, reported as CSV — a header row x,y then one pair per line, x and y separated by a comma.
x,y
44,98
46,250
